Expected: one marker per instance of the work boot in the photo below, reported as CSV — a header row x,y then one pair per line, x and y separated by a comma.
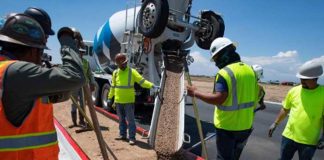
x,y
132,142
121,138
73,125
74,120
82,123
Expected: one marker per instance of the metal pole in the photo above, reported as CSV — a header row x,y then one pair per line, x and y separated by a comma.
x,y
197,144
95,122
196,112
134,18
126,16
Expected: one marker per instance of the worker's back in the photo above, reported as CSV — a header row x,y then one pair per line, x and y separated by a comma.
x,y
236,113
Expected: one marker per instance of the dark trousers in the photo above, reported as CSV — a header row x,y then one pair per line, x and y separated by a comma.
x,y
289,147
230,144
78,96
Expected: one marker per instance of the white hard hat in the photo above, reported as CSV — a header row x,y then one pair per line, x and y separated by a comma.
x,y
310,71
218,44
258,69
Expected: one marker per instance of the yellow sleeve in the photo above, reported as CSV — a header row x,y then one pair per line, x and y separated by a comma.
x,y
140,80
323,107
286,104
90,74
112,87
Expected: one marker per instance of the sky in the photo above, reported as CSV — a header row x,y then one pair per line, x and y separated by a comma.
x,y
278,35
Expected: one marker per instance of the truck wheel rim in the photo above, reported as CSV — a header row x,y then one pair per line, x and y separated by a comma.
x,y
149,15
104,97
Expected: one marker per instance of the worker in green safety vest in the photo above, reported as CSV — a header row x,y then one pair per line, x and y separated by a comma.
x,y
235,96
305,105
78,94
123,92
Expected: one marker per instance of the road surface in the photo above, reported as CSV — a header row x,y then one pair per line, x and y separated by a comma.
x,y
259,146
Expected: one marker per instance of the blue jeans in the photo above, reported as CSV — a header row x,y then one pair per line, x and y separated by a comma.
x,y
289,147
126,111
230,144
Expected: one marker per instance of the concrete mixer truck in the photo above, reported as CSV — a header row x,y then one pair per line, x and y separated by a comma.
x,y
149,33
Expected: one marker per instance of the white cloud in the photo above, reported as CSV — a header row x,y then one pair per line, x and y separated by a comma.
x,y
202,65
282,66
281,57
287,54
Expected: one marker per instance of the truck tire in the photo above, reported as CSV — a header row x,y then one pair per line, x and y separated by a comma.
x,y
215,28
153,17
104,97
95,94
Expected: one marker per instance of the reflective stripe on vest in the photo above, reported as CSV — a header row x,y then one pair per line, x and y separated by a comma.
x,y
27,141
129,80
235,106
141,81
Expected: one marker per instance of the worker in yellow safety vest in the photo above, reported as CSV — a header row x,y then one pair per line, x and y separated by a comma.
x,y
123,92
258,69
305,105
235,96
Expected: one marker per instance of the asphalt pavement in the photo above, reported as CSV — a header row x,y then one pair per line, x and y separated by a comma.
x,y
259,145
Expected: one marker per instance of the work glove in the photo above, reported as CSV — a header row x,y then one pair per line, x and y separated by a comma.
x,y
109,104
272,128
156,89
113,106
320,144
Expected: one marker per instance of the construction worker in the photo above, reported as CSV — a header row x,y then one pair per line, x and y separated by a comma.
x,y
78,95
26,113
259,73
305,105
42,18
235,96
123,92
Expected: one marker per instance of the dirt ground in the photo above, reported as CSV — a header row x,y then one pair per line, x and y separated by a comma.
x,y
274,93
109,128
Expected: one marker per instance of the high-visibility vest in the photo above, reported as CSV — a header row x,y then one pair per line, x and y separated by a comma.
x,y
85,67
36,138
237,112
122,87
